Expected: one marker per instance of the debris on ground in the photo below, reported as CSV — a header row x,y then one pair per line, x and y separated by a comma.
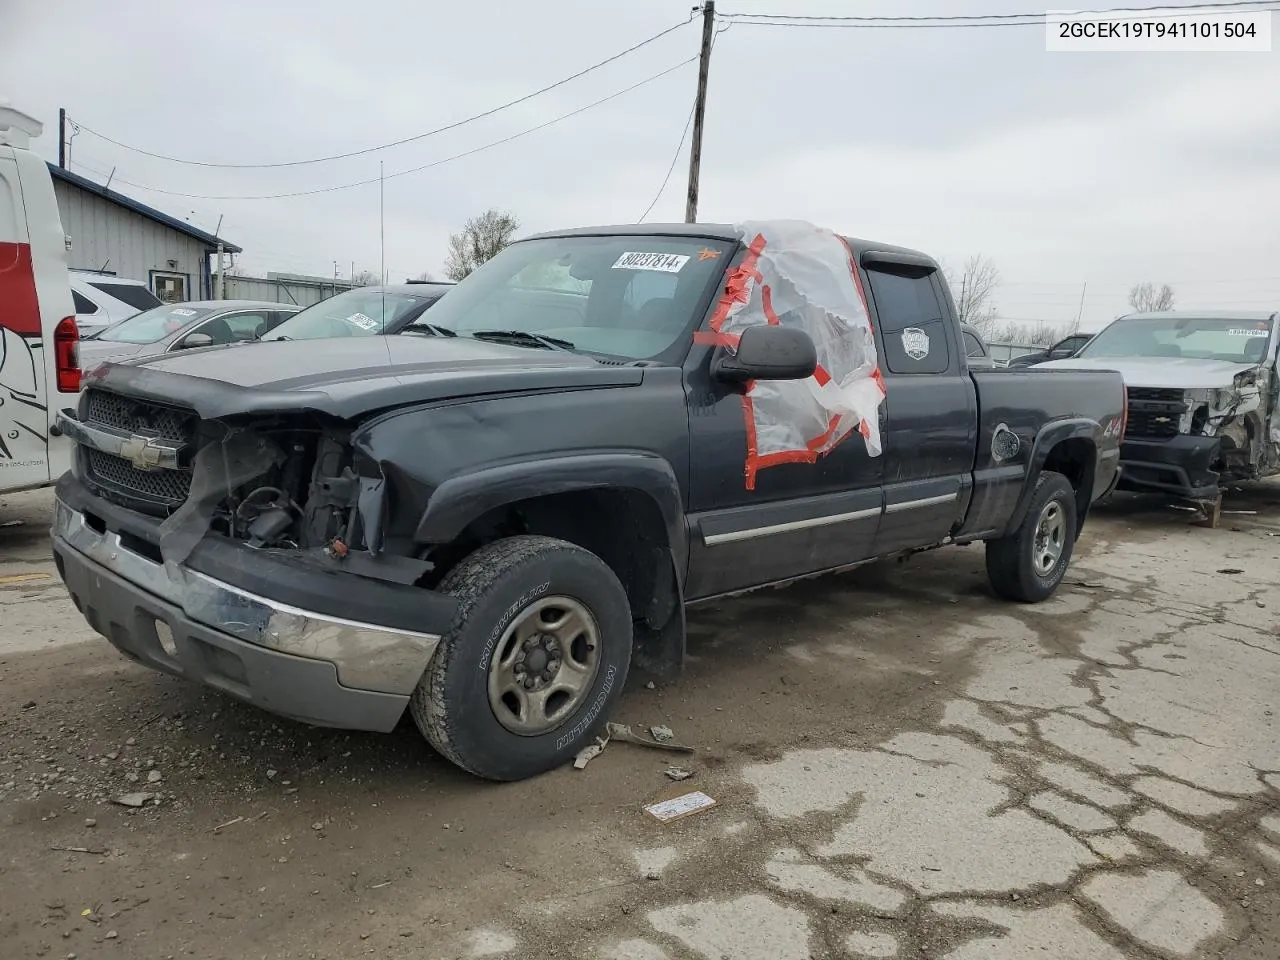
x,y
662,734
589,753
681,806
1231,571
678,773
624,733
135,799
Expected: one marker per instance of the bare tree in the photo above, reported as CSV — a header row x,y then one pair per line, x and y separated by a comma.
x,y
1145,298
1030,334
480,239
975,293
425,277
365,278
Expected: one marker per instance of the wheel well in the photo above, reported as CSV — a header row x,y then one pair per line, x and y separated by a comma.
x,y
1075,459
622,526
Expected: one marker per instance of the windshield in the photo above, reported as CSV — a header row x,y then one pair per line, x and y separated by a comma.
x,y
152,326
622,296
363,312
1201,338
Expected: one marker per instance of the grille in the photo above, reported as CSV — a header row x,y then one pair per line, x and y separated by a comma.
x,y
139,416
1156,395
167,487
1154,412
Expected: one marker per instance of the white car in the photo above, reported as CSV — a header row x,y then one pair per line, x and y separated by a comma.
x,y
102,299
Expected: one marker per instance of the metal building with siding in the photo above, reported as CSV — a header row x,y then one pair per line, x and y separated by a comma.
x,y
115,234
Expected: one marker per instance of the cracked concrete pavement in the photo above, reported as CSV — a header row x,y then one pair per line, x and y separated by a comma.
x,y
903,767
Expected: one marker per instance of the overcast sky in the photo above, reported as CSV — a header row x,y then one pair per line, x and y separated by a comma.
x,y
1064,169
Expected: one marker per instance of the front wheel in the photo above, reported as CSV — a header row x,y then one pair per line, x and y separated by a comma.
x,y
533,662
1028,564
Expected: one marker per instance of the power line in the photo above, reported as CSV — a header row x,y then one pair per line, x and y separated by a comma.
x,y
1035,19
394,143
684,136
671,169
418,169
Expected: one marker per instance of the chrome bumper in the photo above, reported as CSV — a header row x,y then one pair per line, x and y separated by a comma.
x,y
366,656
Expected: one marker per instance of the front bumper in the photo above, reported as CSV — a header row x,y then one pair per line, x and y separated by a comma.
x,y
311,666
1181,465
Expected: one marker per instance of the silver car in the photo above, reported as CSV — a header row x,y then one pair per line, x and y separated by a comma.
x,y
182,326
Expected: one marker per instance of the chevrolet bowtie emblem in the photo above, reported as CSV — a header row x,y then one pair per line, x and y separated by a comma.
x,y
143,452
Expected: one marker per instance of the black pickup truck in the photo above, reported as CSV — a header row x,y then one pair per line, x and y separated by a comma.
x,y
487,519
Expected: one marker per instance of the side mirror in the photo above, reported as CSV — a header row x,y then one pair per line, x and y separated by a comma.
x,y
767,352
192,340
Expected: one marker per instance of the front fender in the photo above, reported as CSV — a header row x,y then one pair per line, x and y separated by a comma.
x,y
1050,435
461,499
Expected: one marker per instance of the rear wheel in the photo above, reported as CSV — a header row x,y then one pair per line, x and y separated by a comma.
x,y
533,663
1028,564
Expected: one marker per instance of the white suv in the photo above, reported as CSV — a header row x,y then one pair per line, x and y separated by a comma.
x,y
102,299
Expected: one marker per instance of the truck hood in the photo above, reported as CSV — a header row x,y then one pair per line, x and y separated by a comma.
x,y
347,377
1182,373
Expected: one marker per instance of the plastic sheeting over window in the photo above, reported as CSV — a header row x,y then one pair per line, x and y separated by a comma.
x,y
798,275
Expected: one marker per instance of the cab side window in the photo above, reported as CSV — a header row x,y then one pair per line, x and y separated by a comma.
x,y
913,333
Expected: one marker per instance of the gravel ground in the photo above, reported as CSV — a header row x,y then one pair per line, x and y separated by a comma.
x,y
902,766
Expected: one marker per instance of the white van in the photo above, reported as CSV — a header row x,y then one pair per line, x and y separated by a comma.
x,y
102,299
39,341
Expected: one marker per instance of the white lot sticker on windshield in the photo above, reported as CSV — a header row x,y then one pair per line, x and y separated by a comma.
x,y
182,312
662,262
1246,332
363,322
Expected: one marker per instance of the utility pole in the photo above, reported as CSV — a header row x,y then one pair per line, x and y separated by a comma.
x,y
62,137
964,283
1080,312
218,287
699,111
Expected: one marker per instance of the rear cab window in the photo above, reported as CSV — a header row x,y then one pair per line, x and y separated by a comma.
x,y
913,329
972,345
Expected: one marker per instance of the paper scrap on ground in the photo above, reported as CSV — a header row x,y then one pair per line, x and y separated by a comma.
x,y
681,806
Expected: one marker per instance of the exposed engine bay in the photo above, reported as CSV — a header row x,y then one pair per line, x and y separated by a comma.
x,y
1242,416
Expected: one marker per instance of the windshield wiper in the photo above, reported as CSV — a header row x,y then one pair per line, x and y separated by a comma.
x,y
431,329
524,337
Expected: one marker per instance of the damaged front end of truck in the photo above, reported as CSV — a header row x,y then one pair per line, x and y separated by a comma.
x,y
181,528
1240,417
1191,441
